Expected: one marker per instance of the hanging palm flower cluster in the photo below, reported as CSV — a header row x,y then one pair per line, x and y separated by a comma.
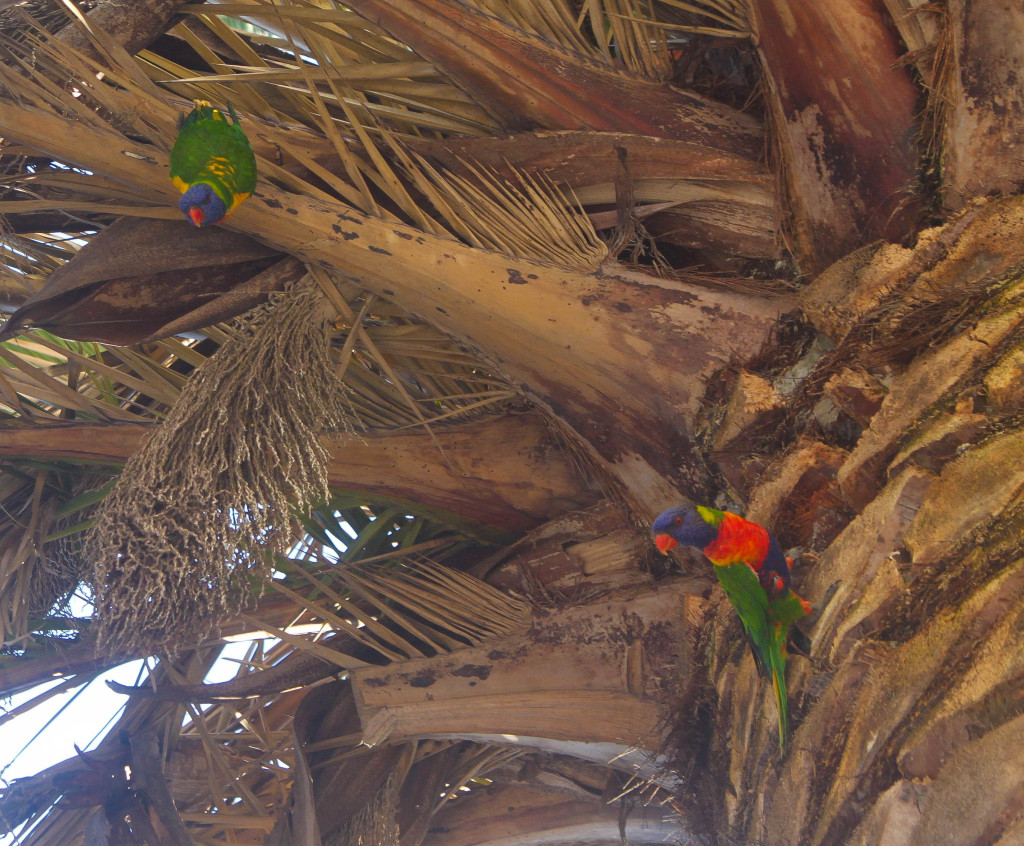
x,y
197,513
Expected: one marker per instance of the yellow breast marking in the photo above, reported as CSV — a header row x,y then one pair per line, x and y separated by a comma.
x,y
220,166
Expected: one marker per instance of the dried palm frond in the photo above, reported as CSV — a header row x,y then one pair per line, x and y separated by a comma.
x,y
396,371
619,33
327,98
399,609
475,762
453,605
528,217
231,761
376,176
317,56
634,34
254,514
629,31
721,18
46,505
40,562
942,89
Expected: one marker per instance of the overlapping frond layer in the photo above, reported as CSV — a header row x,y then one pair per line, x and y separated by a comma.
x,y
721,18
355,155
620,33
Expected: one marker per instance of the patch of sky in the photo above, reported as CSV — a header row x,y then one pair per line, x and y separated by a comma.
x,y
48,733
82,715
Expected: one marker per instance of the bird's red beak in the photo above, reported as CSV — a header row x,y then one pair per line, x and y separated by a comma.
x,y
665,543
196,214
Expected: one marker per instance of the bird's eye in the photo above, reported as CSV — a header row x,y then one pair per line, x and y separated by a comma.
x,y
678,521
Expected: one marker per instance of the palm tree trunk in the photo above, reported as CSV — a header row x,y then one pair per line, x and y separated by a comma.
x,y
913,670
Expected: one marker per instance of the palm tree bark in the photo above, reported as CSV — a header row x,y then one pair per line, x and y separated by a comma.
x,y
913,661
980,97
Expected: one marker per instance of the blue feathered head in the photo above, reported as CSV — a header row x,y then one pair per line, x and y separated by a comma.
x,y
682,525
202,205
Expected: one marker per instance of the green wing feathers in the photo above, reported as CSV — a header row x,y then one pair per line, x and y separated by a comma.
x,y
766,624
741,585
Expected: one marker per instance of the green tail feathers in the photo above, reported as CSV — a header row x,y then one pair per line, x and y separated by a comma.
x,y
778,671
766,623
782,613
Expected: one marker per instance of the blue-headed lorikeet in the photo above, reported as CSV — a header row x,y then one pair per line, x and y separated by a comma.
x,y
755,576
212,164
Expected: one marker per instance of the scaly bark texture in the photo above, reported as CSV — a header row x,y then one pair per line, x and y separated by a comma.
x,y
915,674
844,123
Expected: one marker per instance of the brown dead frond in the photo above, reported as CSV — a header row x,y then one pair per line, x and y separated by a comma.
x,y
720,18
620,33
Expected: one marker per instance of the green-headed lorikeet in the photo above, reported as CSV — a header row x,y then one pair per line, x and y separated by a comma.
x,y
755,576
212,164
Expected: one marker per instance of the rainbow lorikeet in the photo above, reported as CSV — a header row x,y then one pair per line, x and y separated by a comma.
x,y
212,164
755,576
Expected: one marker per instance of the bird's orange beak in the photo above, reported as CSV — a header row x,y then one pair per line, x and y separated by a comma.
x,y
665,543
196,214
